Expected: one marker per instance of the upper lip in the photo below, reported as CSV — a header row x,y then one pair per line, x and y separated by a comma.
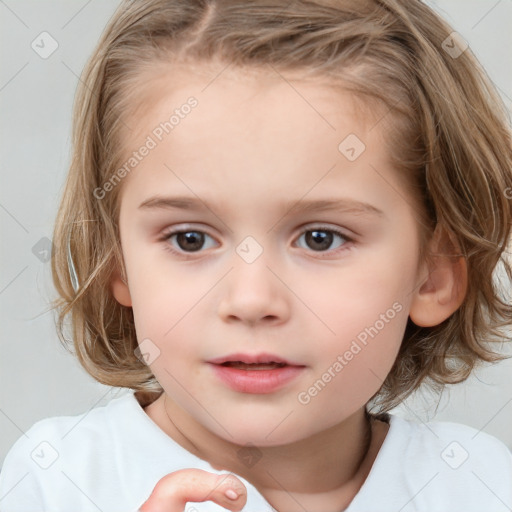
x,y
252,359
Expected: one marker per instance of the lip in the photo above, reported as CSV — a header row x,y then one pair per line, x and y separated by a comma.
x,y
255,381
262,357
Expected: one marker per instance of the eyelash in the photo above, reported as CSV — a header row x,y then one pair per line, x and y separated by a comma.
x,y
167,236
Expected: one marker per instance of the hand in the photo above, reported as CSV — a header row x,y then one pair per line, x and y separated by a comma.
x,y
174,490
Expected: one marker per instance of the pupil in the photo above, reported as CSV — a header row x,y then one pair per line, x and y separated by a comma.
x,y
321,237
190,237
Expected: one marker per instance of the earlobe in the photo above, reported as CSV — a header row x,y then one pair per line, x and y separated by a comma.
x,y
442,291
120,290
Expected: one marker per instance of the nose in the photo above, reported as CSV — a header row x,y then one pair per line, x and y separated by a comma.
x,y
254,293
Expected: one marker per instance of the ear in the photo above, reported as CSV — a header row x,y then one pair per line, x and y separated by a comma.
x,y
438,295
120,289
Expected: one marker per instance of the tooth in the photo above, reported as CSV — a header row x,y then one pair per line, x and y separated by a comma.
x,y
255,366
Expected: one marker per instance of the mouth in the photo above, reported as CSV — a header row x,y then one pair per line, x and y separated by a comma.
x,y
257,373
253,366
262,361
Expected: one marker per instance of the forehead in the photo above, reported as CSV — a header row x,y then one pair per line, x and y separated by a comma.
x,y
253,129
223,89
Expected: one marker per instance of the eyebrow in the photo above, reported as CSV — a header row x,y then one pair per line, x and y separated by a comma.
x,y
342,205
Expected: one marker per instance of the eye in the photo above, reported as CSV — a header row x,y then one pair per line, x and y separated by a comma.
x,y
187,240
321,238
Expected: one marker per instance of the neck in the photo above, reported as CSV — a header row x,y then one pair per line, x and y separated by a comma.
x,y
327,468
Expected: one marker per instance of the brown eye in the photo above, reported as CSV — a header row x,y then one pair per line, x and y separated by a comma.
x,y
186,241
321,239
190,240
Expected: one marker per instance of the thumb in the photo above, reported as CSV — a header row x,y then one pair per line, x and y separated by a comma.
x,y
174,490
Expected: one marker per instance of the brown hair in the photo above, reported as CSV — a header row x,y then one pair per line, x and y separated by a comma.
x,y
451,142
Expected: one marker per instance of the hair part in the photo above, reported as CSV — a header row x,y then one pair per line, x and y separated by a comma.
x,y
449,139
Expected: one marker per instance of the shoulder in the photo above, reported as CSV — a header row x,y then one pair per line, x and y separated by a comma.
x,y
51,439
455,441
52,448
73,434
457,461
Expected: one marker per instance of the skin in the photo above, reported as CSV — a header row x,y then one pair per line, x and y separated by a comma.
x,y
253,143
173,491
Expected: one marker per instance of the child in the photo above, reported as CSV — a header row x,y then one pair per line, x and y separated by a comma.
x,y
255,131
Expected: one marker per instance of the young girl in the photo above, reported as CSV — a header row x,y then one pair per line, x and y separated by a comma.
x,y
342,172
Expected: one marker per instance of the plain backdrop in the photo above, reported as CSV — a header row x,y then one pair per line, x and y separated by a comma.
x,y
38,378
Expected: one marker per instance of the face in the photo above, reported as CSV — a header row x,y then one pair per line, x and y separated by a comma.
x,y
251,265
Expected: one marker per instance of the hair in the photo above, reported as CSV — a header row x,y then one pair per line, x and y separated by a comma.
x,y
451,142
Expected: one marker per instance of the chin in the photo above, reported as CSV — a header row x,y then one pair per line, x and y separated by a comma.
x,y
262,435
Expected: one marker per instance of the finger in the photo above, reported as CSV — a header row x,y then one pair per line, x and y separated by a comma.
x,y
174,490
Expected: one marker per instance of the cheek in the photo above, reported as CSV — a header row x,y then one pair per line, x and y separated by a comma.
x,y
354,364
365,311
369,297
159,295
169,311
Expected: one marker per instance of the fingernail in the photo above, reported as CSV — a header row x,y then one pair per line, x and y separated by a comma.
x,y
231,494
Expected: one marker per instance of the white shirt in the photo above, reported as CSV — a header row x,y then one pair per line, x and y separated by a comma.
x,y
110,459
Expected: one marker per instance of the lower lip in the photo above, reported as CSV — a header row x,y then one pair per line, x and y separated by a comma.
x,y
256,381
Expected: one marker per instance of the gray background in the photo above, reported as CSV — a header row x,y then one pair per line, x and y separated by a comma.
x,y
38,378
